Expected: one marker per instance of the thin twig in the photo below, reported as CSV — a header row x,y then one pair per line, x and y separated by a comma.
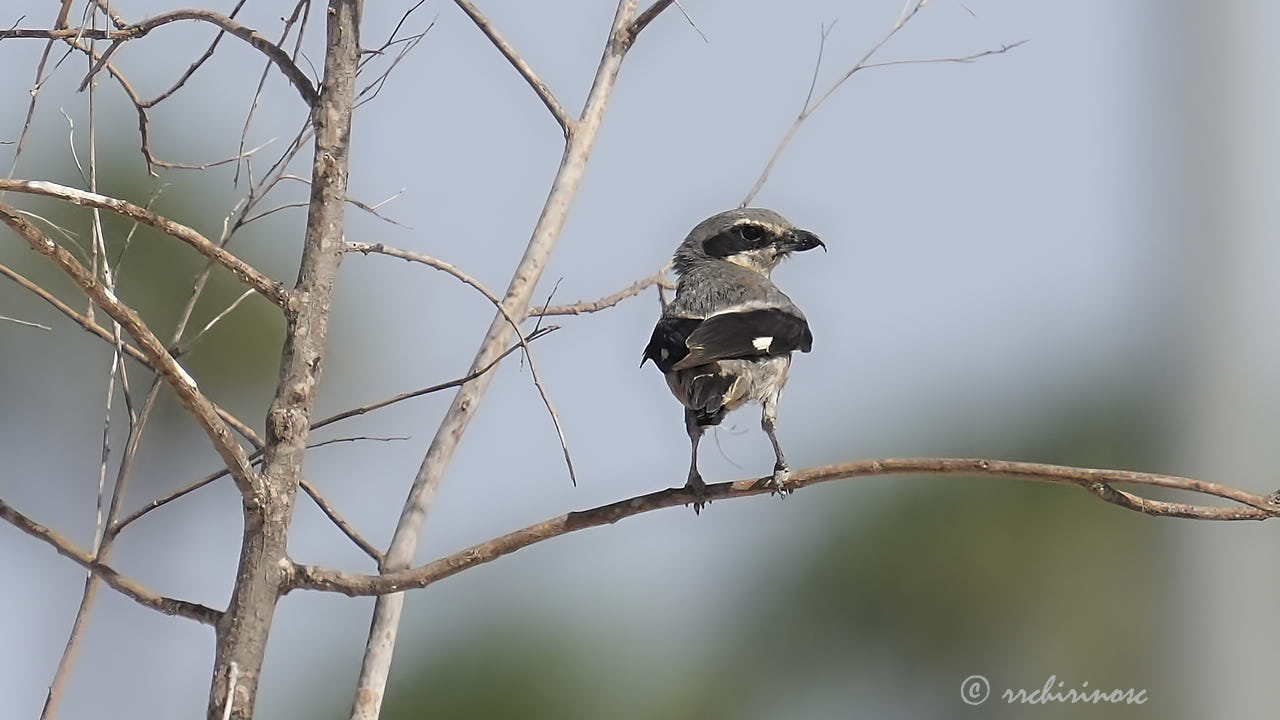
x,y
141,106
101,548
199,62
28,323
303,7
357,438
408,43
327,508
181,492
379,248
358,204
434,388
186,346
1097,482
59,23
128,587
692,24
810,106
608,301
540,88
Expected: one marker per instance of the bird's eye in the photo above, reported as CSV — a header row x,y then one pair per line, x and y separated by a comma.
x,y
750,232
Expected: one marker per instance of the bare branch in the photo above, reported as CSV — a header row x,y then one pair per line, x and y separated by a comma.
x,y
61,22
6,318
441,265
811,106
608,301
140,107
165,500
130,588
1098,482
186,346
964,59
540,88
247,274
115,529
689,20
304,8
407,43
327,508
179,379
259,42
199,62
101,545
434,388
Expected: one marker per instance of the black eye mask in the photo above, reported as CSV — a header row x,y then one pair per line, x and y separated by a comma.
x,y
737,239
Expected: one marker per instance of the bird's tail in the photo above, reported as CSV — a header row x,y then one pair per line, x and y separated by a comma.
x,y
707,392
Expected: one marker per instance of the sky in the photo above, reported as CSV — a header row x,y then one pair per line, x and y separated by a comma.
x,y
1089,213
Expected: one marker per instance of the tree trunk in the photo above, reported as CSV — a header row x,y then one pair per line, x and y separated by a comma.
x,y
264,564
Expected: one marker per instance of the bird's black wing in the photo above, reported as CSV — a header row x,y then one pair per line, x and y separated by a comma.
x,y
744,334
668,345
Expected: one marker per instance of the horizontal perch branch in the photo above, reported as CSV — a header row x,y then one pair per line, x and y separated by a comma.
x,y
1097,482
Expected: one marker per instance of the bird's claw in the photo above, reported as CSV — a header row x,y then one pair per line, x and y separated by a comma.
x,y
699,491
778,483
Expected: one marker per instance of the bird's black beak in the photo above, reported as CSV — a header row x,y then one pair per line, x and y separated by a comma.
x,y
801,240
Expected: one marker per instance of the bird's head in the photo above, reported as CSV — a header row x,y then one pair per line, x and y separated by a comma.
x,y
754,238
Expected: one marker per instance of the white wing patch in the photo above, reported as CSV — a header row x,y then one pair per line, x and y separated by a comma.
x,y
762,343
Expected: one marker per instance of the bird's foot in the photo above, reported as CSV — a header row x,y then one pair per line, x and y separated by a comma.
x,y
778,483
699,491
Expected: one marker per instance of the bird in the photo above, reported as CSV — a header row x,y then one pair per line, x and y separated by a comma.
x,y
726,338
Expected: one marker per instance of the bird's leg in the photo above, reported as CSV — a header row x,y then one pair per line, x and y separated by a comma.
x,y
695,484
769,422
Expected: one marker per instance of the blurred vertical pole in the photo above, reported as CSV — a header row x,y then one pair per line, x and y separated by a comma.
x,y
1224,199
